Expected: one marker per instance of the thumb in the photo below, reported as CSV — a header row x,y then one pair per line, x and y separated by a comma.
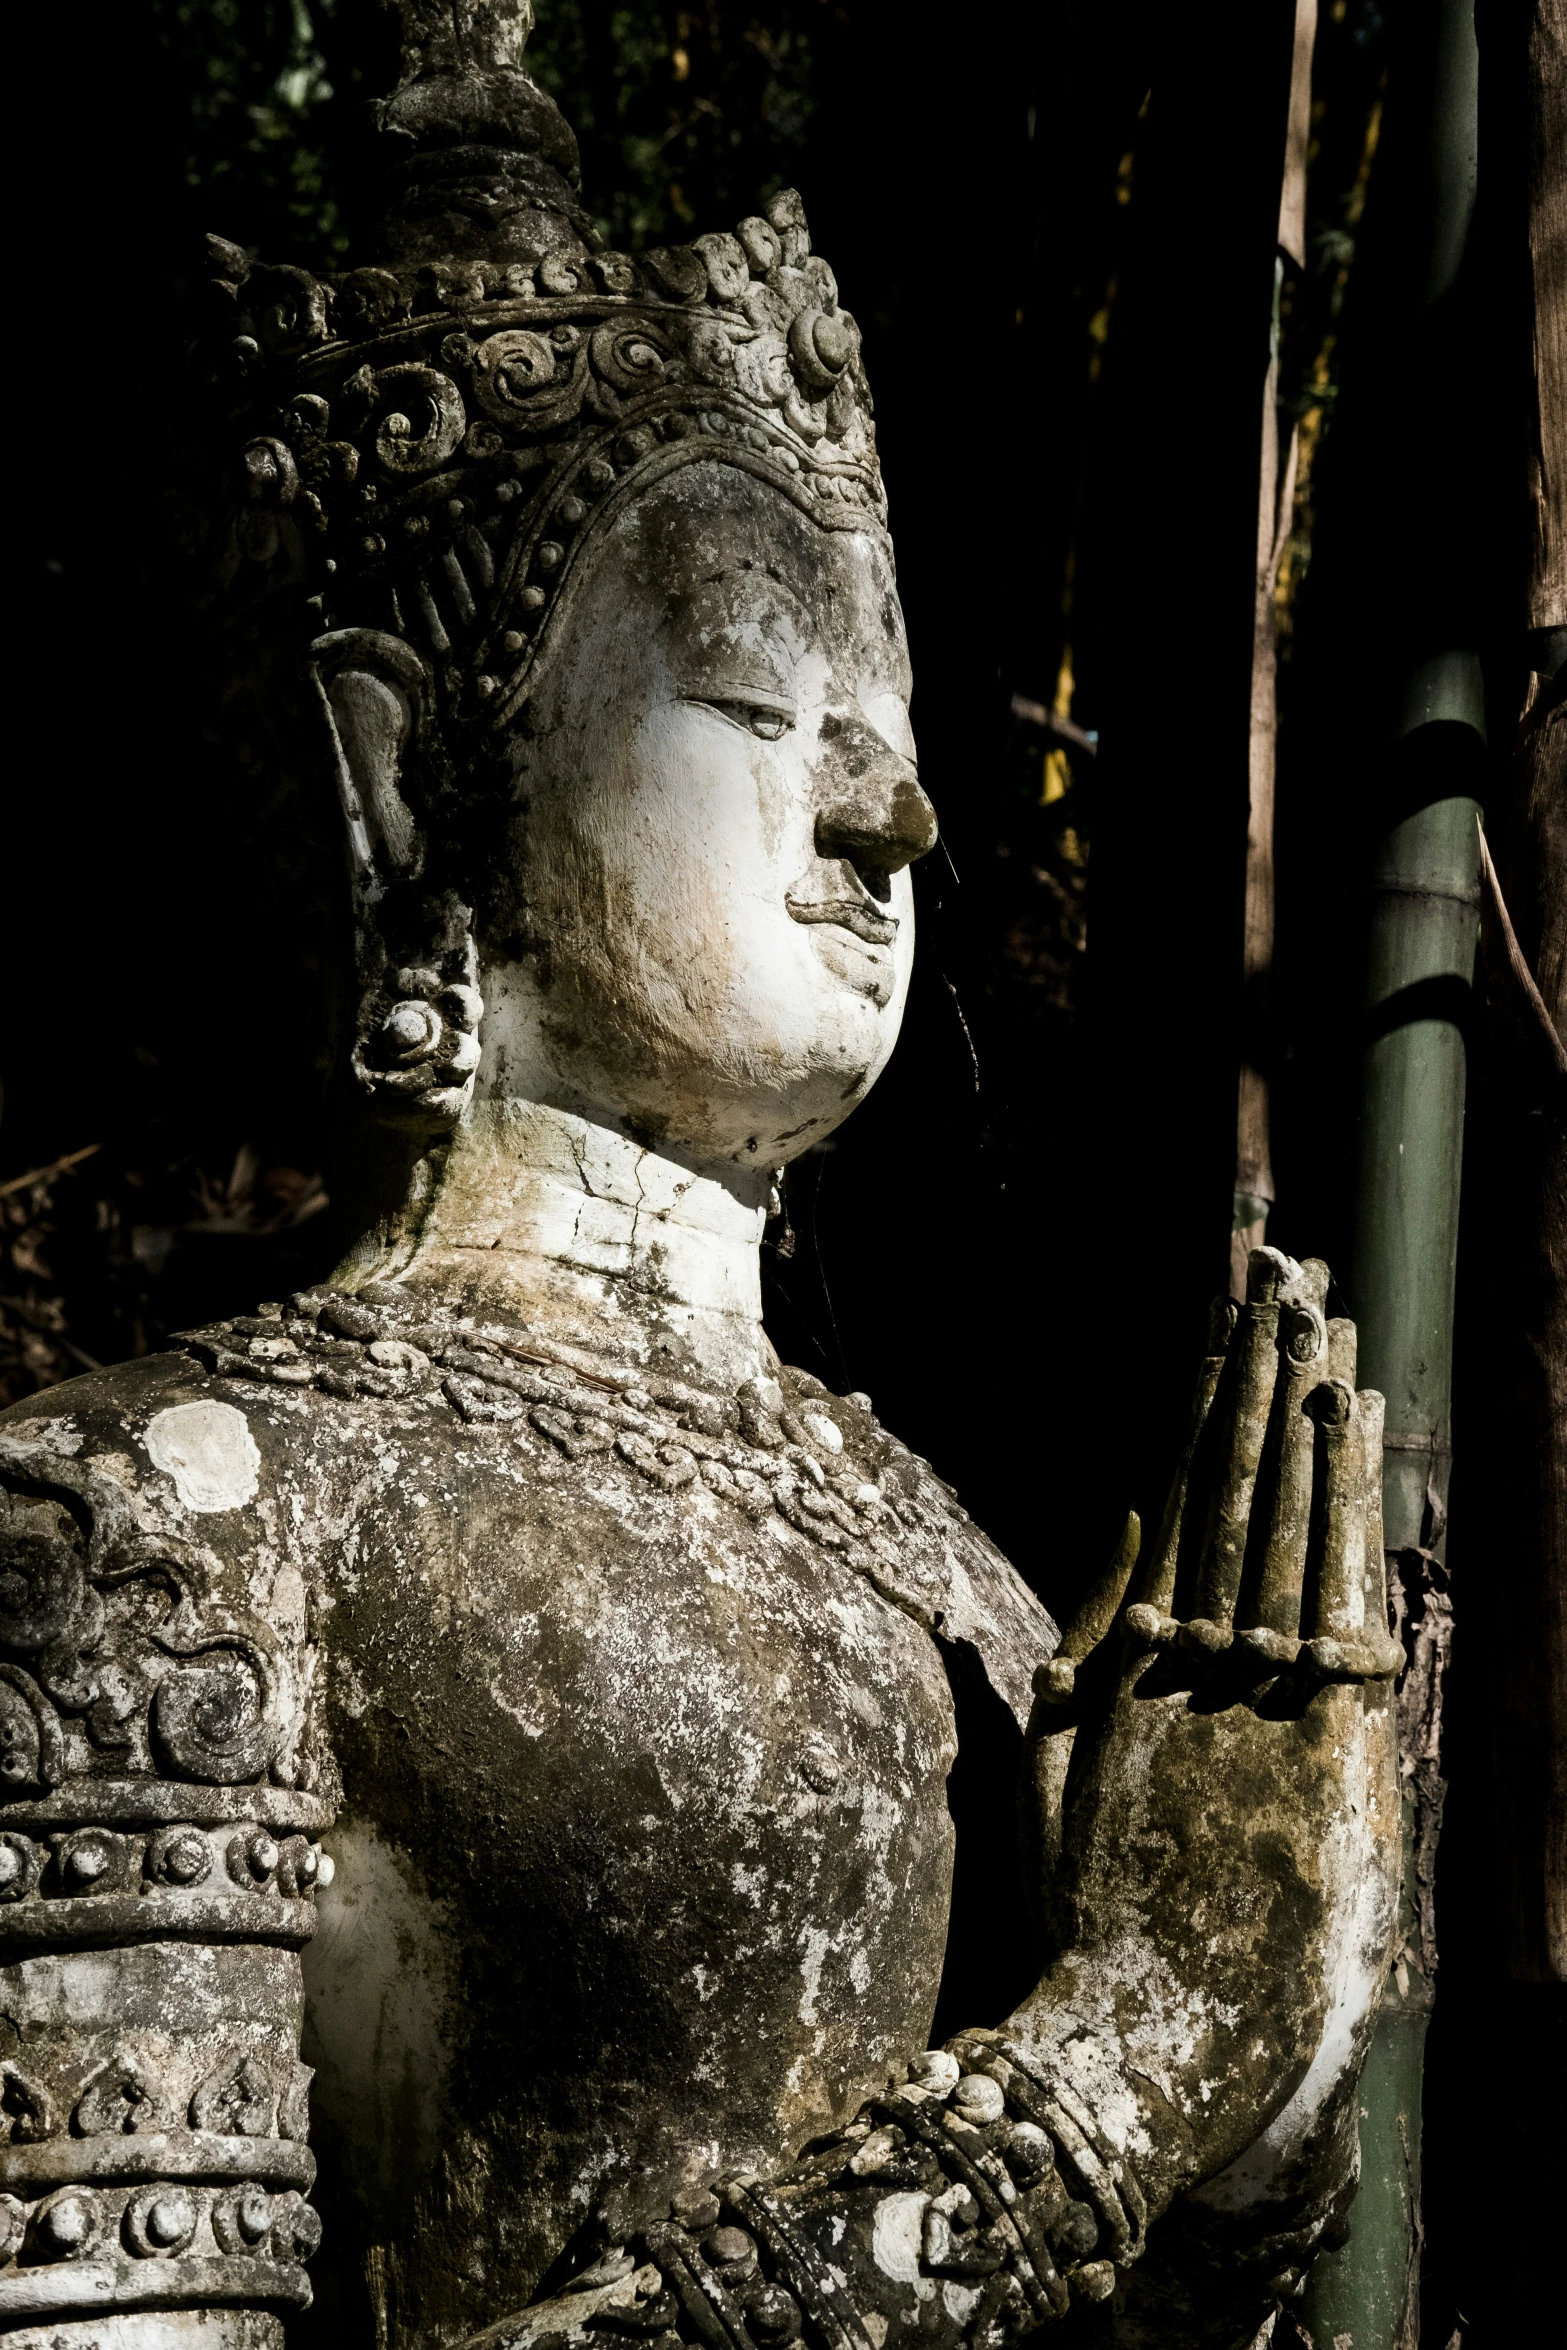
x,y
1100,1607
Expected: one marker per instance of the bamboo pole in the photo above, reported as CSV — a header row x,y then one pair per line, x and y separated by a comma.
x,y
1424,911
1424,918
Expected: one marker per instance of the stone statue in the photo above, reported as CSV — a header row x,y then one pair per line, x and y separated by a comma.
x,y
487,1711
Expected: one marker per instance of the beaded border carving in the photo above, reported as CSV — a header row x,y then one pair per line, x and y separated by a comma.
x,y
821,1462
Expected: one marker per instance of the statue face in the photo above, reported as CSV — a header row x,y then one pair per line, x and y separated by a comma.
x,y
704,929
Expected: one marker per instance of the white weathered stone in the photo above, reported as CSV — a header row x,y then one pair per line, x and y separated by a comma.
x,y
209,1452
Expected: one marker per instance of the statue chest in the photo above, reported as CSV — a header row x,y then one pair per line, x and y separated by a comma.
x,y
644,1857
641,1719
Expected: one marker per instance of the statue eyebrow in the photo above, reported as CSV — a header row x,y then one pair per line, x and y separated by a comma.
x,y
742,690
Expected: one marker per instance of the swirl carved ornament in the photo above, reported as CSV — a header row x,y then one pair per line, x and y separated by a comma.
x,y
426,450
114,1654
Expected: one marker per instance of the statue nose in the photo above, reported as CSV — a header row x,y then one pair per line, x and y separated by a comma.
x,y
874,812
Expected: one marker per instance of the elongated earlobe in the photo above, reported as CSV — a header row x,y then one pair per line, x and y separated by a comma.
x,y
374,698
416,1031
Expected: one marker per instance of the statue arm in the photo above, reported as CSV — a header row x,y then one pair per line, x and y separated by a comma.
x,y
157,1872
1213,1770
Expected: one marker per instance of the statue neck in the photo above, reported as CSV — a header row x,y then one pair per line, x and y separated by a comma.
x,y
589,1240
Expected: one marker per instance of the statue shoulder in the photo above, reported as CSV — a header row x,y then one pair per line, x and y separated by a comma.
x,y
164,1420
937,1564
155,1616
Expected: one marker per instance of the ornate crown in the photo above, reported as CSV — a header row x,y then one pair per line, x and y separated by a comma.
x,y
426,445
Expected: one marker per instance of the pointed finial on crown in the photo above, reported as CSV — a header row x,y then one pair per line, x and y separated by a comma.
x,y
457,36
429,443
483,161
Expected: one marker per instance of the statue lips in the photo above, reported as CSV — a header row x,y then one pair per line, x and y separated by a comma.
x,y
857,914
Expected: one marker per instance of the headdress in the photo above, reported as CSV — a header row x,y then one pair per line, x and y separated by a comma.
x,y
428,443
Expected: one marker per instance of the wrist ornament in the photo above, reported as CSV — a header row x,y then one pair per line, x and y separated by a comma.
x,y
973,2203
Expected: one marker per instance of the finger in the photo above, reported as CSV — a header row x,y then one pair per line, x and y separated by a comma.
x,y
1253,1370
1373,1411
1054,1681
1377,1635
1343,1345
1313,1286
1155,1587
1363,1649
1285,1533
1339,1534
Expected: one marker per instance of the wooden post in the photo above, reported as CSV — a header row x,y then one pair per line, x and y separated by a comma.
x,y
1527,962
1167,588
1254,1184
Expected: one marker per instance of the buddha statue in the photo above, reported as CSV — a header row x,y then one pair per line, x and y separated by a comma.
x,y
476,1859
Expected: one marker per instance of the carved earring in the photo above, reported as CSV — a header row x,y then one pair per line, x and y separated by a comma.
x,y
416,1050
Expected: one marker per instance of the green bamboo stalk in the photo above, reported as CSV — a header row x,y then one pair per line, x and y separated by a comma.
x,y
1424,921
1424,925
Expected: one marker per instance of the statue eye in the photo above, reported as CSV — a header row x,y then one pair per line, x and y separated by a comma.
x,y
768,725
763,719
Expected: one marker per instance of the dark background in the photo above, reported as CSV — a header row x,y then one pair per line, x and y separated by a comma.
x,y
1055,224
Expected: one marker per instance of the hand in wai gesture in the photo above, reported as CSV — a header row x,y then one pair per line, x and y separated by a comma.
x,y
1216,1762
